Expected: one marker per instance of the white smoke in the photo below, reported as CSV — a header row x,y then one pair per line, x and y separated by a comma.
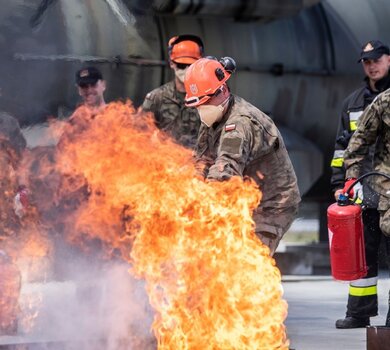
x,y
96,307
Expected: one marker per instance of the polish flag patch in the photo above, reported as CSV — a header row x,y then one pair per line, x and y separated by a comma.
x,y
230,127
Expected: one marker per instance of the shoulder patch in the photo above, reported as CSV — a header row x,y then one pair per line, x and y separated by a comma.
x,y
230,127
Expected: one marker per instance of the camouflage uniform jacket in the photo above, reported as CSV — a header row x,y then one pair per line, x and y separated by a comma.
x,y
353,107
247,143
373,128
171,115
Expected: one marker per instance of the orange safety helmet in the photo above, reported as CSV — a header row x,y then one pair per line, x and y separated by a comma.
x,y
203,78
185,48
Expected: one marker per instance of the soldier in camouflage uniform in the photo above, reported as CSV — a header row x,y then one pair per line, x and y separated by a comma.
x,y
362,297
167,101
373,128
237,139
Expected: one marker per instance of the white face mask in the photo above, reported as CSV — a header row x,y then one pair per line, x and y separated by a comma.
x,y
180,74
210,114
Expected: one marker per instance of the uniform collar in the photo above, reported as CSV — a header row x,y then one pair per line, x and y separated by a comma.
x,y
381,85
384,83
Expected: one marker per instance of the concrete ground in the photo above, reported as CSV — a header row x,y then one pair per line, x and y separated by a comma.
x,y
315,303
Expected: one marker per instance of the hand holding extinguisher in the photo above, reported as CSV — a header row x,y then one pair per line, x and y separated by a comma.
x,y
346,239
353,189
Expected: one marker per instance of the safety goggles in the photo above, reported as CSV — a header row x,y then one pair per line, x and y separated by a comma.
x,y
199,100
182,65
195,101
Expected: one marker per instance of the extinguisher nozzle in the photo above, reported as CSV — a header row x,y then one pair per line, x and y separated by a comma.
x,y
343,199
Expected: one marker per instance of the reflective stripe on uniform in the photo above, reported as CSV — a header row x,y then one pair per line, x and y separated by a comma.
x,y
337,163
353,118
362,291
365,282
363,287
353,125
338,159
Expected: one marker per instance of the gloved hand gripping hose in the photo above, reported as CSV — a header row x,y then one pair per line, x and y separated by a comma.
x,y
343,199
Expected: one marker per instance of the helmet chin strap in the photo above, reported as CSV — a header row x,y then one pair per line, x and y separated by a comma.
x,y
224,103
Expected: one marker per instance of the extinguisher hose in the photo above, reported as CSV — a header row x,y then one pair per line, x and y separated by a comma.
x,y
364,176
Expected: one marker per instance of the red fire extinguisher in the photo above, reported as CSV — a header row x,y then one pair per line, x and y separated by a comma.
x,y
346,241
346,238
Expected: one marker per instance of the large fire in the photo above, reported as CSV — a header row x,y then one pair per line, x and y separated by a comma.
x,y
10,282
132,189
24,247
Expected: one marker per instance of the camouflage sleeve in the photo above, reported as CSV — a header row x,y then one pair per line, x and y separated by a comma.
x,y
152,103
234,150
203,160
363,138
344,134
149,104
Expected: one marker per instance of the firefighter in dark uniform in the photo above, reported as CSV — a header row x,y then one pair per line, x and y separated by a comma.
x,y
237,139
362,298
167,101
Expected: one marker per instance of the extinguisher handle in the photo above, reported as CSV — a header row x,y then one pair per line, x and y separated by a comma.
x,y
366,175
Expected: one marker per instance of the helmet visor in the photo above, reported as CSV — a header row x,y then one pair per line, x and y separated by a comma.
x,y
196,101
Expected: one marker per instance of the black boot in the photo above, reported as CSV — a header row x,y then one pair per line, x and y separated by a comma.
x,y
352,322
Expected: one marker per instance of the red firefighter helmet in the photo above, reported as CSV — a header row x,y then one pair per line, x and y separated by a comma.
x,y
203,78
185,48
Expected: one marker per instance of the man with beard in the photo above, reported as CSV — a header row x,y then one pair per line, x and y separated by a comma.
x,y
362,298
167,101
237,139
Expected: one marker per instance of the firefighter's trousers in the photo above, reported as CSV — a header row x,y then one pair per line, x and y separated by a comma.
x,y
363,298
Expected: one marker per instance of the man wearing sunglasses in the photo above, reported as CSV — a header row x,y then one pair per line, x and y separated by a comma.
x,y
237,139
167,101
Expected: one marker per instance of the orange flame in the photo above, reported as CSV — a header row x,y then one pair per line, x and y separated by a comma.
x,y
209,278
23,244
9,295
